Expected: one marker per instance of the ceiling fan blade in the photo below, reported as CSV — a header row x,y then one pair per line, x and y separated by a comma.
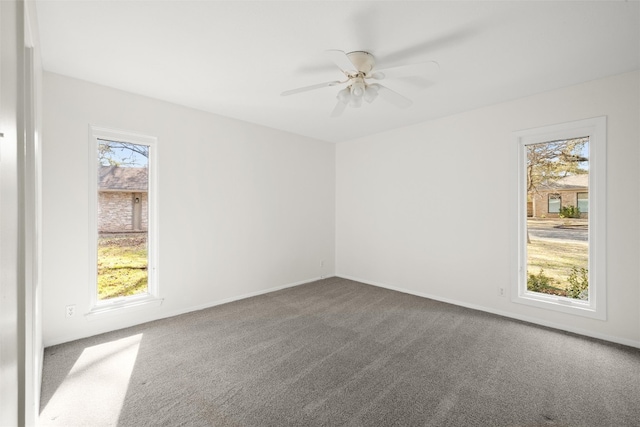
x,y
307,88
338,109
421,69
341,60
445,40
394,97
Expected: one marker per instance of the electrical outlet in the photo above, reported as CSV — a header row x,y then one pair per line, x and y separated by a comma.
x,y
501,292
70,310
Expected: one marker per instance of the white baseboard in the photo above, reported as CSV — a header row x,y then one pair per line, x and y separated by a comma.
x,y
587,333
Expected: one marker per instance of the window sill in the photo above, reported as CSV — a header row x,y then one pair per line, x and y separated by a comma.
x,y
564,305
123,305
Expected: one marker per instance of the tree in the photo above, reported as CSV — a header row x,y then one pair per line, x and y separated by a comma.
x,y
549,161
112,153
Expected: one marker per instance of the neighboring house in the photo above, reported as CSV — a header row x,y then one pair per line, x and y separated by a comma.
x,y
572,190
122,199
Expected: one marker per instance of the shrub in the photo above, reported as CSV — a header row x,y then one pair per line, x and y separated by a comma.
x,y
538,282
543,284
578,283
570,212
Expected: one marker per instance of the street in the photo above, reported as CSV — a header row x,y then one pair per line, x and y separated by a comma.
x,y
549,230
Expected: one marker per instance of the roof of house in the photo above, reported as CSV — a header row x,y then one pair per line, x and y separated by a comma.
x,y
571,182
118,178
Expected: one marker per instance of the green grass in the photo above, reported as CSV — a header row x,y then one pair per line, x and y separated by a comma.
x,y
556,259
122,266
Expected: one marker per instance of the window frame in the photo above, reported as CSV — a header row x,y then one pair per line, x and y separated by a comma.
x,y
151,297
596,130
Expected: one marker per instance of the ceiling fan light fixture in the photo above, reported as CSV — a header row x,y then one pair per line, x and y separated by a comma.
x,y
370,93
355,102
344,95
357,88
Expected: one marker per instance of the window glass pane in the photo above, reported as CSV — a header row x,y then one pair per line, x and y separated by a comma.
x,y
554,203
557,245
123,182
583,202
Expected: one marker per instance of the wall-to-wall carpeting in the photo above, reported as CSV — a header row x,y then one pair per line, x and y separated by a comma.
x,y
338,352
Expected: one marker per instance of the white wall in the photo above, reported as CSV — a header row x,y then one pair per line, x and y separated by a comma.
x,y
426,208
12,336
242,208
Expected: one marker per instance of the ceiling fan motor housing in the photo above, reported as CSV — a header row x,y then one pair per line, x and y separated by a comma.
x,y
363,61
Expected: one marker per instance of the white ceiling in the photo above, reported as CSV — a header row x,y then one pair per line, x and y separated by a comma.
x,y
234,58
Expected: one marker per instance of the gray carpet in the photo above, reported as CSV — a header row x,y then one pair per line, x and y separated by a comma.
x,y
338,352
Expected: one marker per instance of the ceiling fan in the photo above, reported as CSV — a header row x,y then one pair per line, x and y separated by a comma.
x,y
359,68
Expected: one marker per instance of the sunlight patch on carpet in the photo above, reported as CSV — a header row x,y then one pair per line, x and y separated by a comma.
x,y
96,385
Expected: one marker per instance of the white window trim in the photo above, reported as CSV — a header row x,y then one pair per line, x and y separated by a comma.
x,y
596,130
151,297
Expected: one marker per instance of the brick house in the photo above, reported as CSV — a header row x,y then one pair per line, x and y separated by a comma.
x,y
122,199
572,190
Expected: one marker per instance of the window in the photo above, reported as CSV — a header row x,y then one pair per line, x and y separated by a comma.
x,y
561,260
554,203
123,220
583,202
